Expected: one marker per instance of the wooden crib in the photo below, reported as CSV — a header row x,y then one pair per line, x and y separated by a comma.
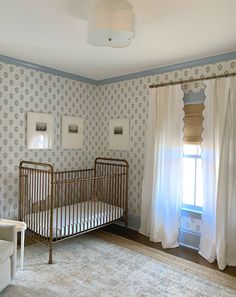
x,y
59,205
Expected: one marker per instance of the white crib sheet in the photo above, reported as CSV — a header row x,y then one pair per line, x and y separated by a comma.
x,y
83,216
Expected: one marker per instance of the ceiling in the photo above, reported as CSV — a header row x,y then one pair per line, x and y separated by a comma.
x,y
52,33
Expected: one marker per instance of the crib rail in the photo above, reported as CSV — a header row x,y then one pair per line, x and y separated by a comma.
x,y
59,205
114,186
36,192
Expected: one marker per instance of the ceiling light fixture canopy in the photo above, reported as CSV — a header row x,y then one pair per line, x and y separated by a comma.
x,y
111,23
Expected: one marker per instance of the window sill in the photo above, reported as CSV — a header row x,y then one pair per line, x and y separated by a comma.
x,y
192,209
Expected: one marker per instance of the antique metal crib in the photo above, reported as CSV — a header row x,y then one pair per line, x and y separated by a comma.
x,y
59,205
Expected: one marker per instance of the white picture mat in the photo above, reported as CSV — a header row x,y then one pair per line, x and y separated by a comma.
x,y
119,141
72,140
37,140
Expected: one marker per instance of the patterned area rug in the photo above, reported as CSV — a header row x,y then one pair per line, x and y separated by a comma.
x,y
101,264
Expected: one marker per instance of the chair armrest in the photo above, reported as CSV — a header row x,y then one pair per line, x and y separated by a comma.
x,y
8,232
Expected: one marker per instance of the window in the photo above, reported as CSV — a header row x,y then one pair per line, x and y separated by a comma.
x,y
192,162
192,177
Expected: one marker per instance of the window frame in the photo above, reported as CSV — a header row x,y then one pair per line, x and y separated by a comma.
x,y
190,207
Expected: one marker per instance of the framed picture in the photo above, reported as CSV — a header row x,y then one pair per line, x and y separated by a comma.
x,y
72,132
119,134
39,131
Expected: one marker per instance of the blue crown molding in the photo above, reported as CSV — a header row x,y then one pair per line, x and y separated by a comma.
x,y
170,68
150,72
25,64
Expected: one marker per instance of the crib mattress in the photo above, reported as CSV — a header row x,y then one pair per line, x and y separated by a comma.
x,y
72,219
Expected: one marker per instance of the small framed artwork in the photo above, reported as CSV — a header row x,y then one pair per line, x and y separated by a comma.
x,y
72,132
119,134
39,131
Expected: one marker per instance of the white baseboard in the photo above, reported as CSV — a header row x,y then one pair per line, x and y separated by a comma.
x,y
189,246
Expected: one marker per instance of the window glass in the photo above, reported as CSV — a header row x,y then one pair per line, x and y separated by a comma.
x,y
192,176
199,185
188,181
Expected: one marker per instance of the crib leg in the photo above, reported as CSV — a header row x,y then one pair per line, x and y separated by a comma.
x,y
50,255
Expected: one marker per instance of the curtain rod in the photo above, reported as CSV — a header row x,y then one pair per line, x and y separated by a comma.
x,y
191,80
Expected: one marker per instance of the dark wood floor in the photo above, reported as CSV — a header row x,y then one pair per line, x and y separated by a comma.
x,y
182,252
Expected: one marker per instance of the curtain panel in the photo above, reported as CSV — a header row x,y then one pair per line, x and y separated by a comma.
x,y
162,182
218,236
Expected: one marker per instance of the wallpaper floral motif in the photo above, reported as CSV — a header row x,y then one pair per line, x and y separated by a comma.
x,y
23,90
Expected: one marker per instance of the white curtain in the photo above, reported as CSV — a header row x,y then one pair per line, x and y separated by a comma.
x,y
218,236
162,182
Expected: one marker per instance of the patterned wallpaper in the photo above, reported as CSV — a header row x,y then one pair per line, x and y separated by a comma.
x,y
23,90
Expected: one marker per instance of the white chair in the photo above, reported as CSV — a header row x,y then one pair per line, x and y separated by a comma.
x,y
8,248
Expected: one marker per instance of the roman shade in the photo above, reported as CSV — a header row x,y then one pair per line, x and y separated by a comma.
x,y
193,119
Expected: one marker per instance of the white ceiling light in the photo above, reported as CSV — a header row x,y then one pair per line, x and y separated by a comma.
x,y
111,23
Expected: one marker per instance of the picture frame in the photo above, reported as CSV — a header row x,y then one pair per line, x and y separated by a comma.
x,y
72,132
39,131
119,134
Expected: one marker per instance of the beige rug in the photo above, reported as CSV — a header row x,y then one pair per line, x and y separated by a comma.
x,y
101,264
